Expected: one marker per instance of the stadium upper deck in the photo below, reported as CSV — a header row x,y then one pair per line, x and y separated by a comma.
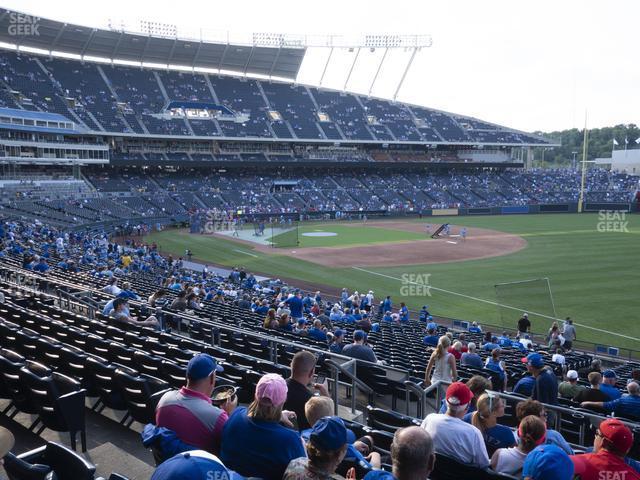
x,y
129,101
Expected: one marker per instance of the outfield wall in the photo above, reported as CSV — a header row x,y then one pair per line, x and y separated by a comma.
x,y
449,212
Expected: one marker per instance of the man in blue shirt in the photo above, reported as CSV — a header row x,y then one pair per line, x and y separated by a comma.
x,y
127,293
337,345
475,328
424,313
525,386
492,345
608,385
295,305
504,341
403,312
546,388
431,338
627,406
387,304
41,266
316,332
307,302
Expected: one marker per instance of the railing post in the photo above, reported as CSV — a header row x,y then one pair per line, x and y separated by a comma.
x,y
336,386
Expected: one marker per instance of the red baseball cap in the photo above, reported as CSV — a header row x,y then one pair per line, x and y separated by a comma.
x,y
617,433
459,394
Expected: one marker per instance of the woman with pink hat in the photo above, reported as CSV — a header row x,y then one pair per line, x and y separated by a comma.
x,y
255,443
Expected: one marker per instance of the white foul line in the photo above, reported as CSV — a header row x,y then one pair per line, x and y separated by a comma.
x,y
246,253
494,303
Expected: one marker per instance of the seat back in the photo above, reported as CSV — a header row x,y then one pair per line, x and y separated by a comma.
x,y
10,364
447,468
388,420
67,463
19,469
173,373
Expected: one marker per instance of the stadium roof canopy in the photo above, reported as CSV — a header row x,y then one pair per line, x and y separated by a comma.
x,y
273,57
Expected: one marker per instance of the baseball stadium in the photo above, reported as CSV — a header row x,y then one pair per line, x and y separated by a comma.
x,y
210,269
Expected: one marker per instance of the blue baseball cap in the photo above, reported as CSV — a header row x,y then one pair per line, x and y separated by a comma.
x,y
609,374
329,433
338,333
548,462
431,326
359,335
201,366
534,359
193,464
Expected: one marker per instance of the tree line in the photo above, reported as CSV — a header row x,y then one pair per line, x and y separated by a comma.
x,y
600,144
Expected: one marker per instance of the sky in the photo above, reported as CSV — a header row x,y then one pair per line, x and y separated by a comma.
x,y
530,65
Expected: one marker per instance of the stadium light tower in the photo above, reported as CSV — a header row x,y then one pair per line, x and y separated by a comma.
x,y
413,42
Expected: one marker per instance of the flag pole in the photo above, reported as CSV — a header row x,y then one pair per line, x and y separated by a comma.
x,y
584,164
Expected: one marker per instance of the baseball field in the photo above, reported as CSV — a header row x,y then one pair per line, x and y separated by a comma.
x,y
592,265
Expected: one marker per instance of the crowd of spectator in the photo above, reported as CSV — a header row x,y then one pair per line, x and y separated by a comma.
x,y
289,429
132,194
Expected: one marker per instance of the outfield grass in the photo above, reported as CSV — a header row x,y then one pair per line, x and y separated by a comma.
x,y
350,235
595,277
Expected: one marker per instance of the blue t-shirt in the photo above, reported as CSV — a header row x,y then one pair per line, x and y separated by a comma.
x,y
295,305
379,475
554,437
317,334
255,448
545,389
471,360
627,406
610,391
490,346
495,366
430,340
496,437
387,305
525,386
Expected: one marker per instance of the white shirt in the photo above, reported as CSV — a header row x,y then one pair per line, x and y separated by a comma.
x,y
510,461
526,342
558,358
456,439
112,289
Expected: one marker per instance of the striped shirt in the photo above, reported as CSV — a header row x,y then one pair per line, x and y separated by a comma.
x,y
192,417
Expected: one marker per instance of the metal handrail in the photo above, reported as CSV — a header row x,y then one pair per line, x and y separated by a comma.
x,y
412,387
355,382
